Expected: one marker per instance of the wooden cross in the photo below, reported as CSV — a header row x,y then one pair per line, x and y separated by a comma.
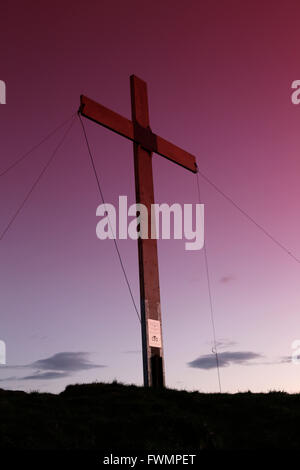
x,y
145,143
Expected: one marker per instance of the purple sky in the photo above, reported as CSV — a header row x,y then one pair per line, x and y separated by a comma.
x,y
219,79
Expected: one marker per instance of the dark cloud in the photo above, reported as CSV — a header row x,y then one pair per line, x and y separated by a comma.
x,y
225,359
58,366
65,361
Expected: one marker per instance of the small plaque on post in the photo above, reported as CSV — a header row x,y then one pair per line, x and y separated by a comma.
x,y
154,333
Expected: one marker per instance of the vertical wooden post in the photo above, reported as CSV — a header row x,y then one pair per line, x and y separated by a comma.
x,y
153,361
145,142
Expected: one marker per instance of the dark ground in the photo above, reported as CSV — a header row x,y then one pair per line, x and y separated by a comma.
x,y
113,416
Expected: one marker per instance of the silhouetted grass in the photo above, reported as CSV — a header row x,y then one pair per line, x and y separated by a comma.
x,y
113,416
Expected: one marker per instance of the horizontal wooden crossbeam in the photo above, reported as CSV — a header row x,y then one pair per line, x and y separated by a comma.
x,y
143,136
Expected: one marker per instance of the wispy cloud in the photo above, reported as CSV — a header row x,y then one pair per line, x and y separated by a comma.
x,y
285,360
225,343
45,376
132,351
226,279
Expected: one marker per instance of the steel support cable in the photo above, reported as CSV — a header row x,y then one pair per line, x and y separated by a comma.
x,y
251,219
38,179
103,201
27,154
212,315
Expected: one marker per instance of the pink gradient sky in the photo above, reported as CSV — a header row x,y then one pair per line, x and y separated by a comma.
x,y
219,77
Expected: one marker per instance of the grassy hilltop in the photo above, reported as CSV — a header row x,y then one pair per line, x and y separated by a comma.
x,y
113,416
